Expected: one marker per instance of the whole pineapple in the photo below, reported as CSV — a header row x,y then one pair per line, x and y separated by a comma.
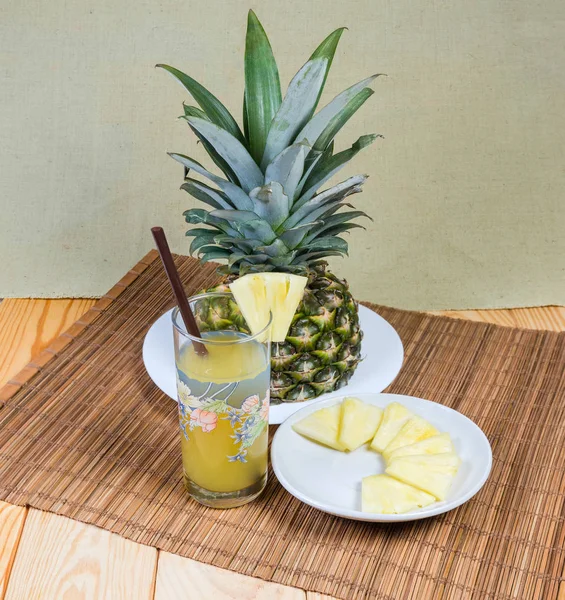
x,y
267,213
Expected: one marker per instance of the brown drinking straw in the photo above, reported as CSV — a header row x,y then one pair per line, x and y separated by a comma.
x,y
176,285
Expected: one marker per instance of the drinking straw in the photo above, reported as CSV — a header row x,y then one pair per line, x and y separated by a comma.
x,y
177,287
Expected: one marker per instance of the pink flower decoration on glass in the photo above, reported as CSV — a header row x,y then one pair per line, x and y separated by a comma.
x,y
250,403
206,419
264,412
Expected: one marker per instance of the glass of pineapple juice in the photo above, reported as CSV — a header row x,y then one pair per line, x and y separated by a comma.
x,y
223,403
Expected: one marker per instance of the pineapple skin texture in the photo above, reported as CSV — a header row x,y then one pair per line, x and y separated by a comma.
x,y
323,345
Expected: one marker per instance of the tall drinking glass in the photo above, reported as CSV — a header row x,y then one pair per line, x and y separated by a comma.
x,y
223,402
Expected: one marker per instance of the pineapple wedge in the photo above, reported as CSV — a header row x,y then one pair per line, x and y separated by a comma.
x,y
432,473
257,293
394,417
414,430
388,496
322,426
437,444
359,422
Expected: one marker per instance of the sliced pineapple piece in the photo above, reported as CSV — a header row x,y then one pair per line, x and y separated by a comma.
x,y
251,296
322,426
257,293
432,473
359,422
437,444
388,496
414,430
284,293
394,417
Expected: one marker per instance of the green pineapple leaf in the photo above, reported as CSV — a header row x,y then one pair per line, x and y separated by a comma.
x,y
318,210
245,120
257,259
271,203
310,257
327,243
214,254
320,121
208,248
344,217
236,195
327,50
247,223
206,194
232,151
200,242
315,160
330,229
293,236
277,249
244,245
218,160
281,262
235,258
329,165
199,216
216,111
199,231
317,205
262,87
193,111
297,107
309,165
341,119
287,168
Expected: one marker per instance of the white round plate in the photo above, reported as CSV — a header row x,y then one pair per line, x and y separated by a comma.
x,y
331,481
381,349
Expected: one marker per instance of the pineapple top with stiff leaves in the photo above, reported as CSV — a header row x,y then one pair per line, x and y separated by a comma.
x,y
267,212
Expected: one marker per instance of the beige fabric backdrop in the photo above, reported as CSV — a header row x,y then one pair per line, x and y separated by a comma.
x,y
466,190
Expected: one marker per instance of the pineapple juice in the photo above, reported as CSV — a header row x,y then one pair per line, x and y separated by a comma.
x,y
223,412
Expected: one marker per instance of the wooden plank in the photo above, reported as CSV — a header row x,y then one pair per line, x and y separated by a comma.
x,y
181,578
61,558
539,317
28,325
11,523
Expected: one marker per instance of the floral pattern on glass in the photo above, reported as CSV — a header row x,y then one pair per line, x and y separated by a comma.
x,y
204,411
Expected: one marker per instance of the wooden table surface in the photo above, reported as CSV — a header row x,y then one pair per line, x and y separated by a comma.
x,y
46,556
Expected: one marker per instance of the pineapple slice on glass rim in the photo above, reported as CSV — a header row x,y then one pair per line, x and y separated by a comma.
x,y
258,294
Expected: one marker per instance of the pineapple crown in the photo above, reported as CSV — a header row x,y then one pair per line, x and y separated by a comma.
x,y
267,211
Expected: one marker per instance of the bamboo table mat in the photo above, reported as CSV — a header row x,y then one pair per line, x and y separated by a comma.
x,y
86,434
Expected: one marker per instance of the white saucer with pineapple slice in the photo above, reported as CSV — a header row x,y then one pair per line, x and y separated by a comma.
x,y
381,457
276,209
